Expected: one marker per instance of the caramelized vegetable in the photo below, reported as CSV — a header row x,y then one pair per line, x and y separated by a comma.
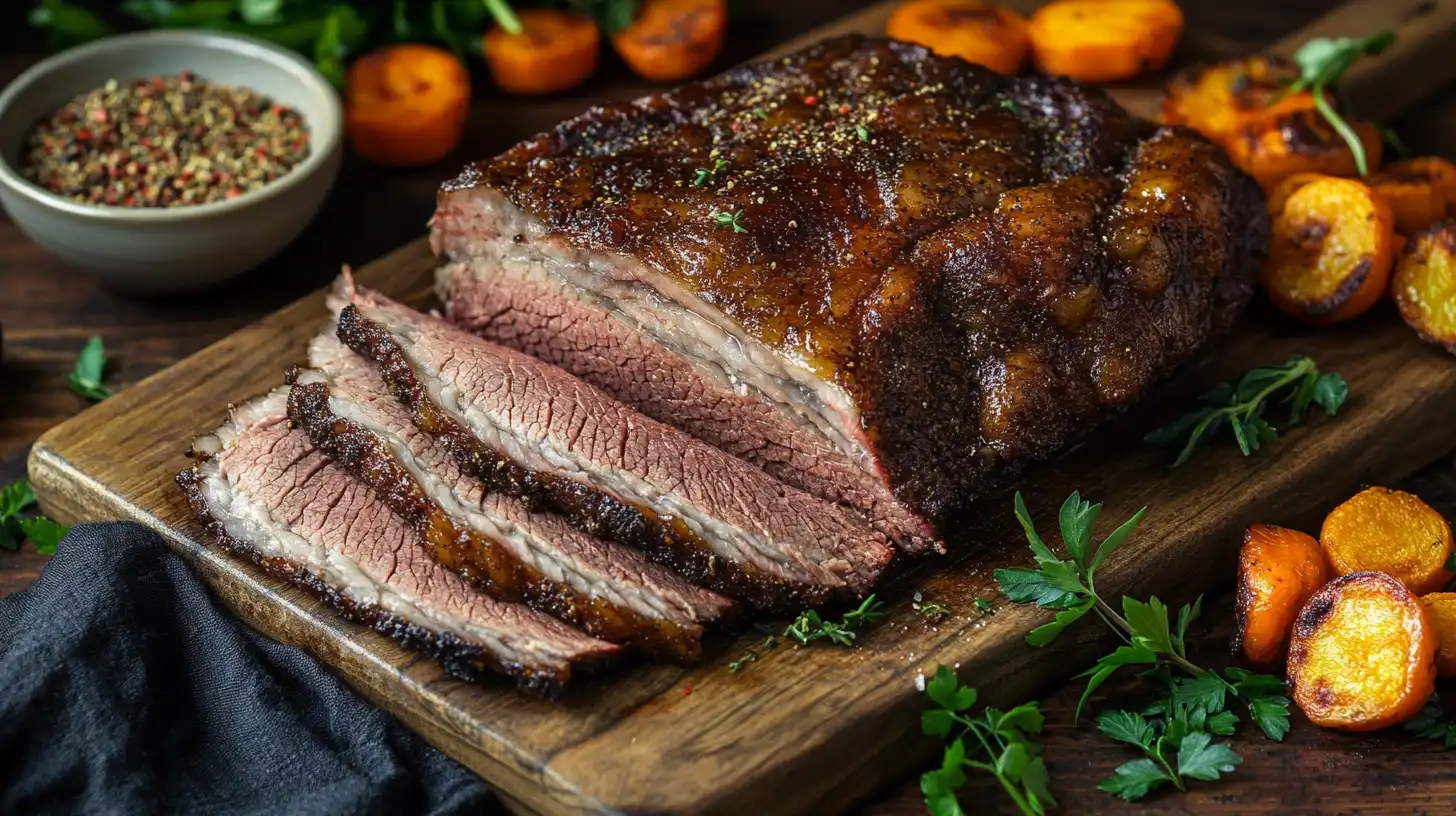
x,y
555,51
1279,196
1224,98
673,39
1424,284
1299,142
406,104
1362,655
1330,251
1390,531
1279,569
984,33
1414,203
1104,40
1441,611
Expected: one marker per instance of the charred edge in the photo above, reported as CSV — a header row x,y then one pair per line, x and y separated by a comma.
x,y
671,544
1314,614
1347,289
460,659
473,555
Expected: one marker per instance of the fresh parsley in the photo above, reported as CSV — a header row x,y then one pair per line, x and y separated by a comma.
x,y
862,132
994,741
727,219
931,610
703,173
1432,724
983,605
85,379
810,626
1322,61
15,499
1010,105
759,113
1176,734
1241,407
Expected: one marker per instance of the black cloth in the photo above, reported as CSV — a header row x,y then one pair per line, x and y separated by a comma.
x,y
126,688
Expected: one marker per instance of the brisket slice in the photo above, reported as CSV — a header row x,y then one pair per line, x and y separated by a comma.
x,y
510,551
998,265
526,426
262,491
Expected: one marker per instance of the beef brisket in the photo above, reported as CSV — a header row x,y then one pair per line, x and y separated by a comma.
x,y
263,491
888,277
531,429
513,553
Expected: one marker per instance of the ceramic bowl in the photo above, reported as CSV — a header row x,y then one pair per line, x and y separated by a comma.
x,y
171,249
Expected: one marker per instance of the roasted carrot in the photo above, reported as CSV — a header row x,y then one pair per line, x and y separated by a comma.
x,y
1362,655
984,33
1419,191
406,105
1424,284
1104,40
1279,569
1279,196
673,39
1224,98
1299,142
555,51
1391,531
1441,610
1330,251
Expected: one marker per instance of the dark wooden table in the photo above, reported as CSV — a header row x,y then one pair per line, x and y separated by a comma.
x,y
48,310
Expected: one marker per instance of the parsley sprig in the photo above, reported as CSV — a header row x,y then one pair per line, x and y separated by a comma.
x,y
727,219
85,378
811,626
1432,724
1322,61
703,173
15,499
1241,407
993,741
1177,746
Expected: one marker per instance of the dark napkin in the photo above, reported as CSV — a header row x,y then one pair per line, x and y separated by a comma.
x,y
125,688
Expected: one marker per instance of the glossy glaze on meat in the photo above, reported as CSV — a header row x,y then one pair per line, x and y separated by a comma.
x,y
961,271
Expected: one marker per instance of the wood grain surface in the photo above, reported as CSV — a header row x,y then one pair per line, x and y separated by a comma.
x,y
49,313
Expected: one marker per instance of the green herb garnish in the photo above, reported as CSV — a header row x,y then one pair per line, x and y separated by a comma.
x,y
1195,699
727,219
759,113
1241,407
1432,724
862,132
1322,61
85,379
994,741
15,499
809,626
931,610
983,605
1010,105
703,174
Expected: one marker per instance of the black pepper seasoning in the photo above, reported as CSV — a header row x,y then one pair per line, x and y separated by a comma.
x,y
164,142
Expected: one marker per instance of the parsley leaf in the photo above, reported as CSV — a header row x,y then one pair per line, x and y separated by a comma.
x,y
1264,695
1000,743
810,626
1431,724
727,219
16,497
1322,61
1135,779
43,533
1241,407
1201,758
85,379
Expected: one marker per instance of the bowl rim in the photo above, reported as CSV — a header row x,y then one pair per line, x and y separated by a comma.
x,y
320,153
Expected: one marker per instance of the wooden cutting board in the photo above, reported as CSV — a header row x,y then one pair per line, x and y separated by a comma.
x,y
809,730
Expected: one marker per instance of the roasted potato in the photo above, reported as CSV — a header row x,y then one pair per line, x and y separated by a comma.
x,y
1390,531
1424,284
1279,569
1104,40
1441,609
1330,251
1362,654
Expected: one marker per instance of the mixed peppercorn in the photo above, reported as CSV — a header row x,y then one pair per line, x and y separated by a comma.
x,y
164,142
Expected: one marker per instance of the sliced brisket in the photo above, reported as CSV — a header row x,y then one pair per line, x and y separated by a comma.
x,y
263,491
527,427
513,553
934,274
